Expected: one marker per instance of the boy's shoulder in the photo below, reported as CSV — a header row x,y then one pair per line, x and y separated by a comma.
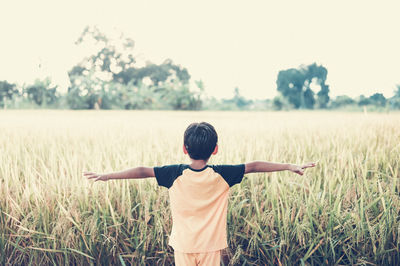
x,y
167,174
170,168
231,173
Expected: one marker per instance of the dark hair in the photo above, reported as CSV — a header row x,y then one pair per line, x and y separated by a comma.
x,y
200,140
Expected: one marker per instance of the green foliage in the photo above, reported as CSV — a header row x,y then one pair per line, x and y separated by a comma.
x,y
42,92
281,103
375,102
7,91
112,56
179,97
157,74
395,100
85,92
110,79
378,99
362,100
237,102
296,86
139,96
341,101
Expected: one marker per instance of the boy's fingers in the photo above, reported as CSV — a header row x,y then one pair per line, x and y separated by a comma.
x,y
308,165
88,173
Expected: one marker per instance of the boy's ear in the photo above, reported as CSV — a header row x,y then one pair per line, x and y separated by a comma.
x,y
215,150
184,149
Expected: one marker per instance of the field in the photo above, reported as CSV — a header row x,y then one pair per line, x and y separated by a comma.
x,y
344,211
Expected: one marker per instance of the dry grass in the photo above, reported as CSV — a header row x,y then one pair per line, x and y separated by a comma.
x,y
345,211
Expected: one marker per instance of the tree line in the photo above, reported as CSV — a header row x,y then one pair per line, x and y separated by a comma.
x,y
111,79
305,88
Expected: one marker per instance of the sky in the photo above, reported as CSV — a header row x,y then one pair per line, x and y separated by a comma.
x,y
226,44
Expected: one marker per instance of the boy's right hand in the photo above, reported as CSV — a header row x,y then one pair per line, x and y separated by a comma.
x,y
299,169
96,177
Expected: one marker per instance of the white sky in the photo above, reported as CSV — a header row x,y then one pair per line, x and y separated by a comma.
x,y
224,43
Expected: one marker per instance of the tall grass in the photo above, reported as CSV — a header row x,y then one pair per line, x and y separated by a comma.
x,y
344,211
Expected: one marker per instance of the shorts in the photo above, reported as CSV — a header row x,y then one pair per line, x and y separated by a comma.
x,y
207,258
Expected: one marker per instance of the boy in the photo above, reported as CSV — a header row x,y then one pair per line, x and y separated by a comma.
x,y
199,194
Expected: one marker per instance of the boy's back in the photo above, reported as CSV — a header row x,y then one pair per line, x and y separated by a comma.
x,y
198,200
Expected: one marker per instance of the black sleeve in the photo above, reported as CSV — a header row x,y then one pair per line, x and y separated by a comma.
x,y
233,174
167,174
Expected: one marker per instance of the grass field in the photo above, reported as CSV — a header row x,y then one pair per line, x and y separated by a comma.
x,y
344,211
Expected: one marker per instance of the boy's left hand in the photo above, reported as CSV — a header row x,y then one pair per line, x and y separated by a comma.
x,y
299,169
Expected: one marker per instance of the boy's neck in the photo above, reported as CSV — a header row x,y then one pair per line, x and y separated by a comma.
x,y
198,164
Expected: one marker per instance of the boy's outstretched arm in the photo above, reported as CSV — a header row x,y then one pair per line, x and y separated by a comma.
x,y
137,172
261,167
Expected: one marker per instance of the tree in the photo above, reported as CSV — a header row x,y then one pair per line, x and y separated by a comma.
x,y
96,76
296,85
90,79
112,56
363,101
130,96
42,92
239,100
277,103
90,92
290,84
7,91
115,61
378,99
395,100
179,97
167,71
342,100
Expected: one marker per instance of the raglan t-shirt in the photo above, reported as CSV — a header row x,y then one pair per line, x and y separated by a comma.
x,y
199,203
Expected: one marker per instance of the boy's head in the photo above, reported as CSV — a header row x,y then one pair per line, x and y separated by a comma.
x,y
200,141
